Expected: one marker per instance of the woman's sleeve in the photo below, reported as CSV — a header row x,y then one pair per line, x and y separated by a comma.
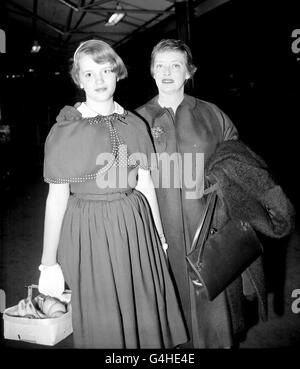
x,y
229,131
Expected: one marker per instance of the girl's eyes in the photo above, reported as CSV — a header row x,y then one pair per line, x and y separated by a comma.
x,y
105,71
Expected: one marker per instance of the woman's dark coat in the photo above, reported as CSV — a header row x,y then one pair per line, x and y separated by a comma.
x,y
197,127
200,127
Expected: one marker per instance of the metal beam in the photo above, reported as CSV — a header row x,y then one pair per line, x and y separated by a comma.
x,y
183,20
37,17
86,26
123,20
35,13
99,2
102,33
69,4
142,27
132,11
207,6
97,34
82,3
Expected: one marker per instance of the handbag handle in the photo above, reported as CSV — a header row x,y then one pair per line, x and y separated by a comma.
x,y
205,222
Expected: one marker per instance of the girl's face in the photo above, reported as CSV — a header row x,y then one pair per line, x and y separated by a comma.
x,y
170,71
97,80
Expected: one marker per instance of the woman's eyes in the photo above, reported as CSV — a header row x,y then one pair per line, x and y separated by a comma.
x,y
88,75
107,71
173,66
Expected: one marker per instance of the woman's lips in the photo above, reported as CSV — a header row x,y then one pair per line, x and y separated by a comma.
x,y
100,89
167,80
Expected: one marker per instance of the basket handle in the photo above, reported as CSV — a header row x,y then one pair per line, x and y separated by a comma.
x,y
31,286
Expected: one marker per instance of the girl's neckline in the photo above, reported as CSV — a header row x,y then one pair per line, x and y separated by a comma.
x,y
88,112
93,117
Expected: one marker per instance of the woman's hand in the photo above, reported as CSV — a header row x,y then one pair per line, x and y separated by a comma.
x,y
51,281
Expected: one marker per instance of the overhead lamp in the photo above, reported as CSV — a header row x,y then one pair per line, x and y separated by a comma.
x,y
36,47
116,17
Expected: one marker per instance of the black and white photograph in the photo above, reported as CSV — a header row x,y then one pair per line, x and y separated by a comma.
x,y
149,185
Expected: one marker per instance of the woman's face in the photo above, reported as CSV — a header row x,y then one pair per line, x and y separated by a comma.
x,y
97,80
170,71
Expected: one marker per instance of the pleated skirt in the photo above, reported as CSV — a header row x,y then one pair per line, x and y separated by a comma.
x,y
112,260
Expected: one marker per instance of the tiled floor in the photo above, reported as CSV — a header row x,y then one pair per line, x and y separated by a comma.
x,y
22,217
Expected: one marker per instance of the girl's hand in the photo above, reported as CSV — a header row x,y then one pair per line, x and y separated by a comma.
x,y
165,248
51,281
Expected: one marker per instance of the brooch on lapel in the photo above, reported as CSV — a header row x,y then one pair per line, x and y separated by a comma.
x,y
157,132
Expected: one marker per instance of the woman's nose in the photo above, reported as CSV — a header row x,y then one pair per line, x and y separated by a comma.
x,y
167,70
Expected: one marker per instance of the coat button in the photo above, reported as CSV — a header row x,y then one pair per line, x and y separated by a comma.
x,y
212,231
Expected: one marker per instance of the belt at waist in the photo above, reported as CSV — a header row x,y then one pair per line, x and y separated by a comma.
x,y
103,196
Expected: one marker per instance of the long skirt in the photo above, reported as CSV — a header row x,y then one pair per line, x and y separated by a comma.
x,y
112,260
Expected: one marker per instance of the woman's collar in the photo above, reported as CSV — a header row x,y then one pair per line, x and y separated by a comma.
x,y
156,110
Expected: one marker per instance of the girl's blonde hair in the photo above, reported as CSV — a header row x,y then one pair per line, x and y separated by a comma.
x,y
101,52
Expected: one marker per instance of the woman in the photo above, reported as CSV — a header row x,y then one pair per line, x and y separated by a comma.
x,y
188,126
98,223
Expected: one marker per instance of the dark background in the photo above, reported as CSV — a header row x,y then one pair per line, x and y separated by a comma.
x,y
245,65
243,51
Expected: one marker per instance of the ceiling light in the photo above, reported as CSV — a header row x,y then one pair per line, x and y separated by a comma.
x,y
36,47
116,17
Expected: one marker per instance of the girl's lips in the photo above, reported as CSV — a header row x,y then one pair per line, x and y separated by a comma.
x,y
167,80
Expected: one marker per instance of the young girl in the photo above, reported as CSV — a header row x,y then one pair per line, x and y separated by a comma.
x,y
98,223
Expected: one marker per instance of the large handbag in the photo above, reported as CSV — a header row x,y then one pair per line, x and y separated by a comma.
x,y
218,257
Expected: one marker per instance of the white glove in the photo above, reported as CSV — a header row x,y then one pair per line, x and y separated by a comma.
x,y
164,243
51,281
165,247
